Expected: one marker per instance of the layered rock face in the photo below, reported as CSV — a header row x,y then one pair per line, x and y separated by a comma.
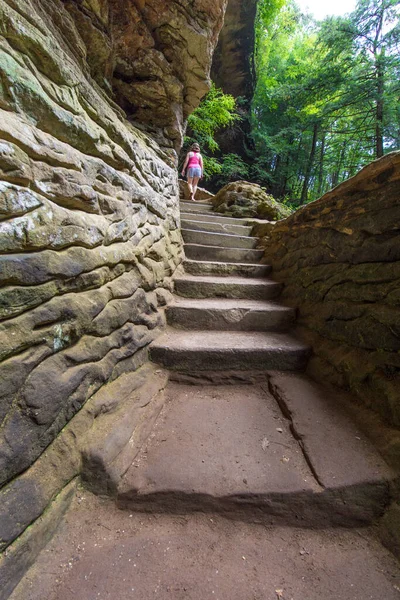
x,y
232,68
155,55
339,259
233,71
89,216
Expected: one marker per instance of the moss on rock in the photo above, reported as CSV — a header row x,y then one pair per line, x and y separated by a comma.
x,y
245,199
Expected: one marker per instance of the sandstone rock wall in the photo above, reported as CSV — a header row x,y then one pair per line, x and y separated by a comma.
x,y
154,54
232,68
339,260
89,215
233,71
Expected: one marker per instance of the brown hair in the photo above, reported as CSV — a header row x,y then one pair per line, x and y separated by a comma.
x,y
195,147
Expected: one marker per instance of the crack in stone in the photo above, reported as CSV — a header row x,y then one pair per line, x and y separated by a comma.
x,y
280,400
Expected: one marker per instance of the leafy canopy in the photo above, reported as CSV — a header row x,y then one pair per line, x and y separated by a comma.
x,y
327,96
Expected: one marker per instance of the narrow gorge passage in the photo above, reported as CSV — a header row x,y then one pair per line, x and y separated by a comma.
x,y
272,447
225,289
251,472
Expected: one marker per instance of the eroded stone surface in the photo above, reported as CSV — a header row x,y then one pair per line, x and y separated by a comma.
x,y
89,214
102,430
22,555
339,260
155,55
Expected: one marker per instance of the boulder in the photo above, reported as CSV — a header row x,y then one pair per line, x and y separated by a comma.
x,y
245,199
201,194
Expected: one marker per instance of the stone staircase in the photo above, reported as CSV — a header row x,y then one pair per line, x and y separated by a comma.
x,y
225,315
217,465
278,449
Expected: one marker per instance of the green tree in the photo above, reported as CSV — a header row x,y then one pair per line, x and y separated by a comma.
x,y
326,100
216,111
366,44
287,108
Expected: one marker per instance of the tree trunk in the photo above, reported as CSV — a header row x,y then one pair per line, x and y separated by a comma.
x,y
283,177
379,58
335,174
379,106
304,191
321,165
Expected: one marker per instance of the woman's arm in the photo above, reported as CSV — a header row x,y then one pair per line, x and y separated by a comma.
x,y
201,165
185,164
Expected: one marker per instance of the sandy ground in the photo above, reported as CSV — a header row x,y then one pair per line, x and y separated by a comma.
x,y
101,552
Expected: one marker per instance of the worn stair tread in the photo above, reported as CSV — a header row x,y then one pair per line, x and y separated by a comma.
x,y
339,454
215,235
232,279
197,351
216,227
213,441
228,314
220,253
230,449
224,269
195,207
215,218
229,340
241,358
230,304
225,240
206,286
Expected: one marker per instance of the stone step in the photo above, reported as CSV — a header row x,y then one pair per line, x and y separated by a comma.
x,y
220,254
215,218
231,450
226,314
242,351
196,267
241,230
196,207
191,236
338,453
203,286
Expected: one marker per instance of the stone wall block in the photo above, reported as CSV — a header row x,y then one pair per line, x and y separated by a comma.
x,y
339,261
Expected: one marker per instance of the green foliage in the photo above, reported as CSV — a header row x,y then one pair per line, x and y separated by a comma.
x,y
215,112
326,100
230,167
234,167
212,167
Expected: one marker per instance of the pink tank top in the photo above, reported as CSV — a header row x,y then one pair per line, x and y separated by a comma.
x,y
194,160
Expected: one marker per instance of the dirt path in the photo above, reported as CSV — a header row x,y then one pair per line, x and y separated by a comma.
x,y
104,553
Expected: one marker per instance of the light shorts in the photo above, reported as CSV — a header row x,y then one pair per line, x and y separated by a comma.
x,y
194,172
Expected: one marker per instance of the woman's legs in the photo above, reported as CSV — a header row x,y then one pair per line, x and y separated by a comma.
x,y
195,181
190,186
